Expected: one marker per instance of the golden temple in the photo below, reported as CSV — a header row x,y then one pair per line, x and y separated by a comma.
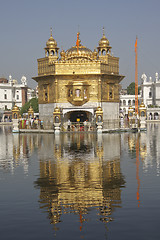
x,y
77,82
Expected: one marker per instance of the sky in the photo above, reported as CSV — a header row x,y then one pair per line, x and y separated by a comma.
x,y
25,28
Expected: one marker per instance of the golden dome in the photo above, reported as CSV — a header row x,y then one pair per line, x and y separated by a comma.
x,y
99,109
81,51
130,107
142,105
15,108
104,42
30,109
51,43
57,109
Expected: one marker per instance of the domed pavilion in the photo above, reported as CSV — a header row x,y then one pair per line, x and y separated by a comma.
x,y
77,81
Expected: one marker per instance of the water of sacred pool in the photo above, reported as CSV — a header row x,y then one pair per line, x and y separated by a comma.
x,y
80,185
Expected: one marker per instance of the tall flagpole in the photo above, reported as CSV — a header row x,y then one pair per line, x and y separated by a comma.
x,y
136,79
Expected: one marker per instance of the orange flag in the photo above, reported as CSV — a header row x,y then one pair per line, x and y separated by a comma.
x,y
135,44
77,43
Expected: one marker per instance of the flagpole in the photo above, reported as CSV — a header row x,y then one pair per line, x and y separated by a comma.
x,y
136,78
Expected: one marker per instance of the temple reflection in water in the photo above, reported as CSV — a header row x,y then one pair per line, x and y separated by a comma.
x,y
78,172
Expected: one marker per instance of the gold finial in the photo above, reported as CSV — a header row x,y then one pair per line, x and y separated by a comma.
x,y
51,31
103,31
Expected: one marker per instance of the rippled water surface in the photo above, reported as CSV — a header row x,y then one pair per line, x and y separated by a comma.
x,y
80,186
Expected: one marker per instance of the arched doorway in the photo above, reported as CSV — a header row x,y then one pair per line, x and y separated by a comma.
x,y
79,121
150,116
80,116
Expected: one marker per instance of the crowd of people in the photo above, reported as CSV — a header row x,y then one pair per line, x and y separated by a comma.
x,y
30,123
35,123
78,126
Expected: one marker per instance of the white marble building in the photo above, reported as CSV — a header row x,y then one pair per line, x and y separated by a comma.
x,y
150,90
126,101
149,94
12,92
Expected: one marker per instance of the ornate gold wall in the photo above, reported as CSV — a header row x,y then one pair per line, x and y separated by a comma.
x,y
52,89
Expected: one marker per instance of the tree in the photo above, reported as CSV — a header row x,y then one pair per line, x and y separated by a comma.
x,y
32,102
131,89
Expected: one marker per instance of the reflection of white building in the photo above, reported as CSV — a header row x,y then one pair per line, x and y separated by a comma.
x,y
11,91
150,148
15,150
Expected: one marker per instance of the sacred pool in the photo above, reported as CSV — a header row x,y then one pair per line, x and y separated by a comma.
x,y
80,185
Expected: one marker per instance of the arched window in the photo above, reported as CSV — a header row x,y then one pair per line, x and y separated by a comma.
x,y
150,116
78,92
129,102
150,93
142,114
124,102
15,116
156,116
85,93
56,119
52,52
99,118
103,52
111,92
45,92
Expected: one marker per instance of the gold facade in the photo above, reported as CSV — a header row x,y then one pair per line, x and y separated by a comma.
x,y
78,75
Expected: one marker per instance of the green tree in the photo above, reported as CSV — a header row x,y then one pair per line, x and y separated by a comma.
x,y
131,89
32,102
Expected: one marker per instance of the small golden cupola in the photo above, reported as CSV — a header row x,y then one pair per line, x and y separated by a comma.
x,y
51,49
15,112
95,54
30,112
62,53
104,48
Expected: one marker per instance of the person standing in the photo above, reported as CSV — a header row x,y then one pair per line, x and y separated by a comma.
x,y
69,125
85,125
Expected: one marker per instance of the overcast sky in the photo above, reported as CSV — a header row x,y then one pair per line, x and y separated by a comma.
x,y
25,28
